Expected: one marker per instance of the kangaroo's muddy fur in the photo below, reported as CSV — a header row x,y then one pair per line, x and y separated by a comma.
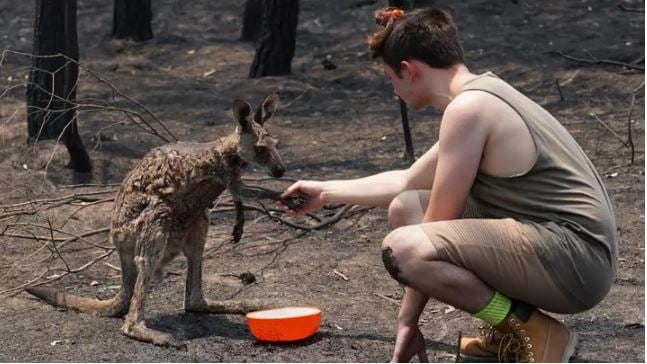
x,y
161,211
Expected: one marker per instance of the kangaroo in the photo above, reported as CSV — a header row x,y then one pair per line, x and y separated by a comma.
x,y
161,210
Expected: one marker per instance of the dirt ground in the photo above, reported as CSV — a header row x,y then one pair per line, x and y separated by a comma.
x,y
333,124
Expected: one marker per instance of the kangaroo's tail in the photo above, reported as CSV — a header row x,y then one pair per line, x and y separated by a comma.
x,y
114,307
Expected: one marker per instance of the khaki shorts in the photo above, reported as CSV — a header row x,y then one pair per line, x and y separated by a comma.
x,y
498,251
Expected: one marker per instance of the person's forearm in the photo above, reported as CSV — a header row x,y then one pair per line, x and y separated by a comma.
x,y
411,306
376,190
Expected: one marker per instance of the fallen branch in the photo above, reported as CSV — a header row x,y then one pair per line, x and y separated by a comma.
x,y
264,179
79,196
110,199
325,222
90,185
58,276
632,10
395,302
51,233
607,127
594,60
112,266
63,240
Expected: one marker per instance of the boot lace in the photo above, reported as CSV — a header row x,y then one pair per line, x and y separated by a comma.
x,y
515,347
487,331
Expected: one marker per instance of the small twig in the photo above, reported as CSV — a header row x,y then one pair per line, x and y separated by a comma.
x,y
264,179
103,80
458,347
324,222
84,206
633,10
63,240
594,60
571,78
51,233
19,288
607,127
59,276
361,3
561,95
296,98
630,137
33,211
341,275
91,185
112,266
395,302
56,199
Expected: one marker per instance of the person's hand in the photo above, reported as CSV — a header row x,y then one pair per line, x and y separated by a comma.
x,y
409,342
310,191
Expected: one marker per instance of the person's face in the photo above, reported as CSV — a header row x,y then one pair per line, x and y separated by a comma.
x,y
407,85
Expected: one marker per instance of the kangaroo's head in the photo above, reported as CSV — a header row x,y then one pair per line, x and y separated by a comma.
x,y
257,146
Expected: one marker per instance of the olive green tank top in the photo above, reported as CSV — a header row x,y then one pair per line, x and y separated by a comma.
x,y
561,191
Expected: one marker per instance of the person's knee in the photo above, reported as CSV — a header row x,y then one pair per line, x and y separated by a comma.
x,y
399,252
405,210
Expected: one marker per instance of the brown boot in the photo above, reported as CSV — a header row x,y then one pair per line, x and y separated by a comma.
x,y
535,337
483,348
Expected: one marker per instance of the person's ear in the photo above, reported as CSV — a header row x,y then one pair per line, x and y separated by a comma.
x,y
410,71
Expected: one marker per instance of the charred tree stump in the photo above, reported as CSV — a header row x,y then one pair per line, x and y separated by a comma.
x,y
252,20
132,20
51,91
276,42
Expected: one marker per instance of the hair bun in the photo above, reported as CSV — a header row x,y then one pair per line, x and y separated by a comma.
x,y
383,16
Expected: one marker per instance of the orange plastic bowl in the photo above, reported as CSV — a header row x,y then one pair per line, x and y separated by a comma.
x,y
284,324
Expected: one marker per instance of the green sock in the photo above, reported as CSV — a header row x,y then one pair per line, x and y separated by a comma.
x,y
495,311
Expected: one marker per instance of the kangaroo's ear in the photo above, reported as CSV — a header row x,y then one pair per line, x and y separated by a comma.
x,y
241,109
267,108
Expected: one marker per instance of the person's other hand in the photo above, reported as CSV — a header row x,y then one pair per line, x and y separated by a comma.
x,y
310,191
409,342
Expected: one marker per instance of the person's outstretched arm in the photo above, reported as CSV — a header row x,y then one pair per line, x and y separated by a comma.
x,y
376,190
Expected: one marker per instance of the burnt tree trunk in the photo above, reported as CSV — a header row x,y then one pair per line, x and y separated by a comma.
x,y
276,40
404,114
403,4
132,20
252,20
51,91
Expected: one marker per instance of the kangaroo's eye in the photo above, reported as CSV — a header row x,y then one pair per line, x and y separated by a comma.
x,y
260,149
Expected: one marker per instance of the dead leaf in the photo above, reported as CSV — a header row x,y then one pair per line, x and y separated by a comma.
x,y
449,309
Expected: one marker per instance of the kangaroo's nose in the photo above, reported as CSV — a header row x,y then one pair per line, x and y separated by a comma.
x,y
278,172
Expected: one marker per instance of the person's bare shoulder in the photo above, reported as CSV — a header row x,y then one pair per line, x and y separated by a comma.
x,y
468,112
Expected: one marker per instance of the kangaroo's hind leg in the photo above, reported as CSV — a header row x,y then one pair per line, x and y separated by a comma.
x,y
124,242
194,300
149,249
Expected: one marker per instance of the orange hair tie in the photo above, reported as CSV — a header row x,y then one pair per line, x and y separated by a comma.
x,y
387,15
